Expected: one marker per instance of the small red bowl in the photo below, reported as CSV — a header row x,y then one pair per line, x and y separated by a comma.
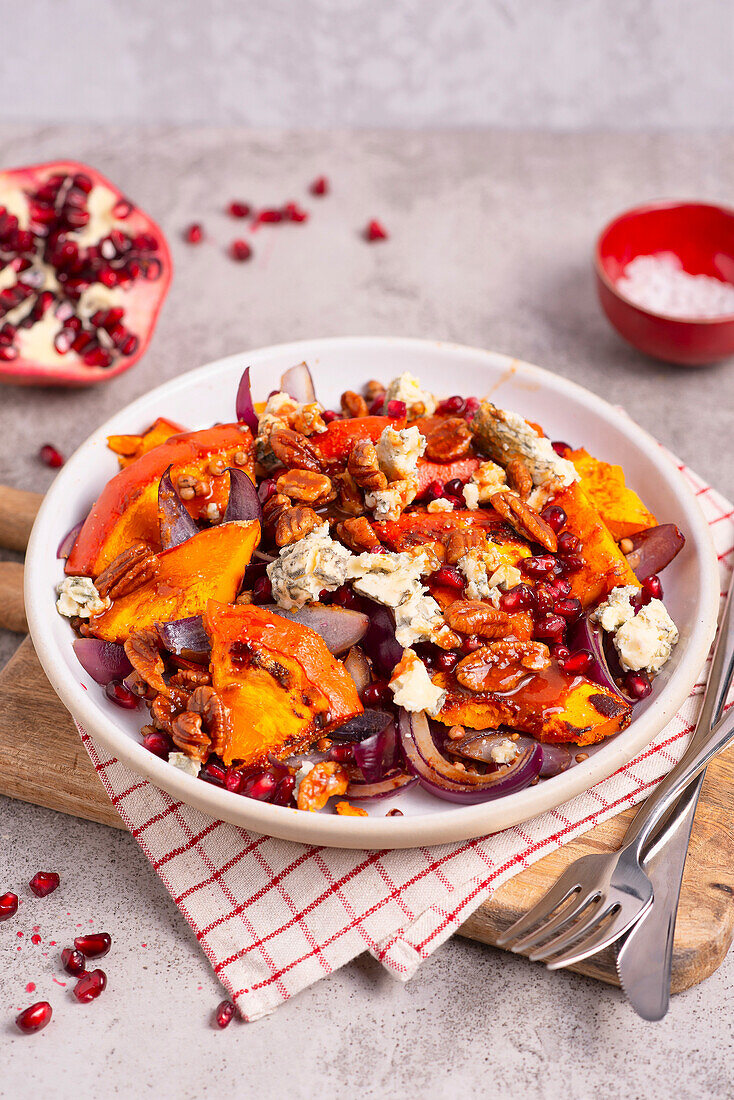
x,y
702,237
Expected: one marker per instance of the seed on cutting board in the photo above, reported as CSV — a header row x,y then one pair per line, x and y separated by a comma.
x,y
8,905
94,945
44,883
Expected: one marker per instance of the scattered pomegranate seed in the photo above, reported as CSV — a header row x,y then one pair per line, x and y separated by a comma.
x,y
328,416
215,774
8,905
269,217
284,791
320,186
344,597
376,406
434,490
452,406
240,250
568,608
376,693
561,653
375,231
652,587
262,590
117,693
638,684
224,1014
561,585
538,566
34,1018
571,563
561,448
292,212
44,883
519,598
449,576
447,660
471,405
158,743
555,517
89,986
94,945
397,409
194,234
265,489
261,787
455,487
73,962
239,209
551,627
342,754
233,780
471,643
545,598
578,662
568,543
51,456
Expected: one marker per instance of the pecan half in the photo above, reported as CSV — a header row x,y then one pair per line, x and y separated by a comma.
x,y
373,389
476,617
293,450
273,509
524,519
501,665
323,781
143,651
449,440
130,569
163,712
359,535
190,678
294,523
305,486
519,477
353,404
205,702
364,467
459,543
189,736
350,498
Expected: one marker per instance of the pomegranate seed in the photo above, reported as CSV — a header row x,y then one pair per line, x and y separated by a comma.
x,y
117,693
376,693
375,231
89,986
262,590
262,787
157,743
83,183
449,576
434,490
561,653
455,487
94,945
269,217
580,661
638,684
240,250
561,448
652,587
552,627
571,563
561,586
328,416
122,209
44,883
555,517
265,489
224,1014
344,597
8,905
320,186
568,543
292,212
568,609
471,643
214,773
194,234
545,598
452,406
8,352
471,405
97,357
237,209
376,406
284,791
342,754
130,345
51,456
145,242
447,660
233,781
73,962
539,566
34,1018
397,409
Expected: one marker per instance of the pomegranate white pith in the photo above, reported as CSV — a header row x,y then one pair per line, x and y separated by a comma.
x,y
83,273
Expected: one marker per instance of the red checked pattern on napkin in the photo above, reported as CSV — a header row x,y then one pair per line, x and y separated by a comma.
x,y
272,917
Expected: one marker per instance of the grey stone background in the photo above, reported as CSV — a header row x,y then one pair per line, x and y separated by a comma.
x,y
574,64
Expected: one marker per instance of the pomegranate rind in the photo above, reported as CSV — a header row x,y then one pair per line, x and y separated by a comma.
x,y
27,372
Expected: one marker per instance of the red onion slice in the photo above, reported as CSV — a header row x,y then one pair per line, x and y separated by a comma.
x,y
67,543
104,661
386,787
186,638
654,549
376,755
358,668
437,775
380,643
340,627
589,635
365,725
298,384
176,523
244,405
244,503
556,759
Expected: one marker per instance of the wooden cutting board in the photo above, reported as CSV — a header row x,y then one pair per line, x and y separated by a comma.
x,y
43,761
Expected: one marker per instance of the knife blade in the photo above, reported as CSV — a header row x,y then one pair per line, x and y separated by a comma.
x,y
645,957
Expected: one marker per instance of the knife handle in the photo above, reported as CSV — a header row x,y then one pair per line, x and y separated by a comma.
x,y
18,509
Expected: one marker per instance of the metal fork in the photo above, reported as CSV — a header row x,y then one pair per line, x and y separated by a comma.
x,y
599,897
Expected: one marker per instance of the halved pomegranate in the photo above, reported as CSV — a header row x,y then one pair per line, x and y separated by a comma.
x,y
83,274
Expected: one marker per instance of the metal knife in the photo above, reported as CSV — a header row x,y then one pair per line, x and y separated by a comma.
x,y
645,957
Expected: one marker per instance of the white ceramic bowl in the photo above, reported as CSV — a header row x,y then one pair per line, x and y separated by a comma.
x,y
565,410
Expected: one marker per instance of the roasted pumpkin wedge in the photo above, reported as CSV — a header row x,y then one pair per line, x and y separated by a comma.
x,y
604,565
127,508
208,566
333,445
619,507
428,472
553,706
280,685
129,448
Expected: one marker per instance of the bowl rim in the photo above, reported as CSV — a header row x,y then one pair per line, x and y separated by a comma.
x,y
647,208
456,823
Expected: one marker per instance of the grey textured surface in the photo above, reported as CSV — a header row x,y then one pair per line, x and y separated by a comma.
x,y
490,245
408,63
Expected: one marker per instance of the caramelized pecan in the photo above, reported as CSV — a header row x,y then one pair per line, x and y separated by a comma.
x,y
359,535
519,477
364,467
476,617
163,711
190,678
350,498
143,651
293,450
130,569
205,702
353,404
305,486
188,735
449,440
294,523
374,389
501,665
524,519
273,509
323,781
459,543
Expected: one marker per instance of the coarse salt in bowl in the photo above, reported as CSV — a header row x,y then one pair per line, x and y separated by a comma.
x,y
665,279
